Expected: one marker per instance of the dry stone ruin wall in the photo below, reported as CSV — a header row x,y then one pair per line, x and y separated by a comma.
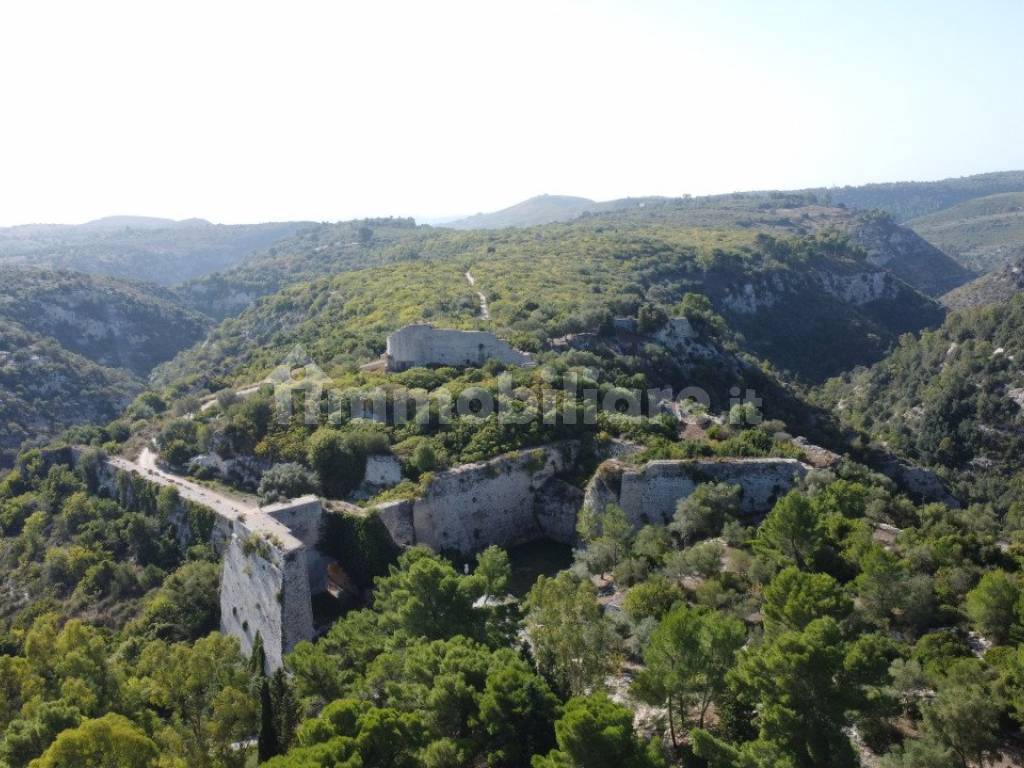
x,y
649,495
506,501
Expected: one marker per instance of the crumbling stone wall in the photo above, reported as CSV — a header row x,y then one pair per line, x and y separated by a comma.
x,y
649,494
270,567
503,501
265,590
423,344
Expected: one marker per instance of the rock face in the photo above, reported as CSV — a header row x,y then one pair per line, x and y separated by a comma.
x,y
424,344
908,256
503,501
649,495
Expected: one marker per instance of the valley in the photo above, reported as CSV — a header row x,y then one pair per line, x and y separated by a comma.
x,y
774,419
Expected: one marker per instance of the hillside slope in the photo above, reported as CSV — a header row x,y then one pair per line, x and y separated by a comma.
x,y
953,398
906,200
44,389
790,297
984,233
149,250
993,288
114,323
899,249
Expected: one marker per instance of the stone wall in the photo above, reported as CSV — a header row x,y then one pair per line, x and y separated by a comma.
x,y
270,564
649,494
425,345
265,590
503,501
302,518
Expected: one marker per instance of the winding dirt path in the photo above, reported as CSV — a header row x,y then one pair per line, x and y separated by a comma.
x,y
485,311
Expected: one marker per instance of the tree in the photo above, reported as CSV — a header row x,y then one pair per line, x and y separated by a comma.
x,y
793,599
286,481
424,458
705,511
964,715
992,605
607,534
918,753
493,570
337,462
572,640
111,741
205,687
687,659
185,607
793,532
795,680
517,710
595,732
424,596
651,599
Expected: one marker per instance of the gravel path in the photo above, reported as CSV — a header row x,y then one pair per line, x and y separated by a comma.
x,y
485,311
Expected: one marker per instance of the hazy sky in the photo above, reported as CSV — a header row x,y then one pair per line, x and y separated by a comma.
x,y
250,111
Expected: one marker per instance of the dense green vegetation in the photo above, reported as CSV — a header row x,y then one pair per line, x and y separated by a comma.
x,y
44,389
562,279
947,399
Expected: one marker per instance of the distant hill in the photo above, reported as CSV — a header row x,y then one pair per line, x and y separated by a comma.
x,y
141,222
985,233
906,200
543,209
139,248
993,288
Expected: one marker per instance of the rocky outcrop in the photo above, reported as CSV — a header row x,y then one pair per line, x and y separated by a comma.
x,y
649,494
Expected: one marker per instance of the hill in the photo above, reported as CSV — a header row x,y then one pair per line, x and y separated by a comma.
x,y
543,209
148,250
906,200
790,297
993,288
45,389
985,233
114,323
897,248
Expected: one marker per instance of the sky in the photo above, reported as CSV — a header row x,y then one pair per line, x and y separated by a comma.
x,y
258,111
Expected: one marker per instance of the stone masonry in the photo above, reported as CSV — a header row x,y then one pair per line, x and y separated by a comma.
x,y
423,344
649,494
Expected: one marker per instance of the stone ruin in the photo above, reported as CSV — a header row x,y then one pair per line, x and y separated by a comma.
x,y
425,345
272,563
649,494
